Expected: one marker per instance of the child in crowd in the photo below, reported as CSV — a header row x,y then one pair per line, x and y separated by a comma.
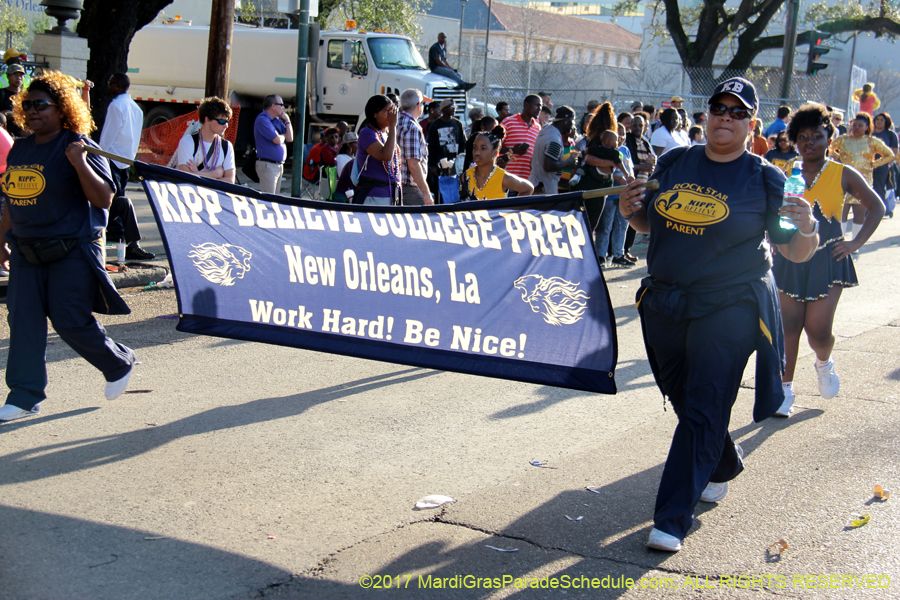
x,y
608,149
696,135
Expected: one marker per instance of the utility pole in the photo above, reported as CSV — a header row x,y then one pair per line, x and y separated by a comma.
x,y
487,41
218,57
462,17
300,113
790,46
850,77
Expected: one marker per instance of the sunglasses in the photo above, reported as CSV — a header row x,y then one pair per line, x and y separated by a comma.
x,y
221,121
278,104
738,113
38,105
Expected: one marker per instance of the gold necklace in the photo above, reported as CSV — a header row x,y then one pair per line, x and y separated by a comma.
x,y
478,189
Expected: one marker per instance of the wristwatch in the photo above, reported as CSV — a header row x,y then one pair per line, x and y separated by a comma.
x,y
815,230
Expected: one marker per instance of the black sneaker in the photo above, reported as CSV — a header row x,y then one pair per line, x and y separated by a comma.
x,y
134,252
621,261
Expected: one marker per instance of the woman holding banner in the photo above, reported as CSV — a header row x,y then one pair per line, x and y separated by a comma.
x,y
58,200
485,180
710,300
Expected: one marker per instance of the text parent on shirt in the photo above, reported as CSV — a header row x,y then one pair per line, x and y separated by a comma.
x,y
53,225
521,132
272,131
710,299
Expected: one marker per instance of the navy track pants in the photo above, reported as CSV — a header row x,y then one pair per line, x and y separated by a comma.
x,y
63,291
700,362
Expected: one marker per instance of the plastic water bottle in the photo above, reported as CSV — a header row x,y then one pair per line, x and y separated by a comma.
x,y
793,188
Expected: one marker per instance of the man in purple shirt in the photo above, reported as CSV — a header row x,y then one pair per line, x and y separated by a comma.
x,y
272,130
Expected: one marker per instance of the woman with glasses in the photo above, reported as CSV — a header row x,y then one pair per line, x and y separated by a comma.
x,y
206,153
810,291
710,299
783,154
58,196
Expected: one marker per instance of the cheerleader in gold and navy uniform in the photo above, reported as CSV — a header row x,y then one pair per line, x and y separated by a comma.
x,y
485,180
810,291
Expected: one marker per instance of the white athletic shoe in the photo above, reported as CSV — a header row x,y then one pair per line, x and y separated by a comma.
x,y
829,382
660,540
8,412
714,492
787,407
116,388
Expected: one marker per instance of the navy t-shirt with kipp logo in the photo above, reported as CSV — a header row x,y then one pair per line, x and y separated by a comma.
x,y
44,194
708,219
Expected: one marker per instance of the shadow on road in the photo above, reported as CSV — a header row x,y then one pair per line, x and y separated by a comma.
x,y
76,455
47,557
620,516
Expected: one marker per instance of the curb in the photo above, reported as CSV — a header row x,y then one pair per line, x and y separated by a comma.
x,y
138,275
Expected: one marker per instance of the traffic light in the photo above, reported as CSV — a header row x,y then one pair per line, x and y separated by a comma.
x,y
817,48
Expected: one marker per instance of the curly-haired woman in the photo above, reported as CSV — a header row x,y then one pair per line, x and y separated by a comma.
x,y
58,199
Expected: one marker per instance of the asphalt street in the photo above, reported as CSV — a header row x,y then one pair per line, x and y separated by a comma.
x,y
236,470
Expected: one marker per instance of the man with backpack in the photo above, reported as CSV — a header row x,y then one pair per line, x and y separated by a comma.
x,y
206,153
272,131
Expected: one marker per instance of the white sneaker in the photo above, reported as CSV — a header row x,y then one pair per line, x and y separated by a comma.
x,y
829,382
660,540
714,492
787,407
8,412
116,388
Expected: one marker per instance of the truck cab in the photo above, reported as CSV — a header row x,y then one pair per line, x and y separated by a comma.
x,y
167,67
354,65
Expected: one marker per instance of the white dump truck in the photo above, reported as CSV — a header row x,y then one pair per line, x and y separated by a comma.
x,y
167,68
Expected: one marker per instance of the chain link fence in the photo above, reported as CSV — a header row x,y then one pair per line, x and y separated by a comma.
x,y
510,81
575,85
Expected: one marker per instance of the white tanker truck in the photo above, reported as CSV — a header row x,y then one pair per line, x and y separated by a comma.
x,y
167,68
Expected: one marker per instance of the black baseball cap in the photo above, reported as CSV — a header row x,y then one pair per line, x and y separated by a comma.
x,y
740,88
563,113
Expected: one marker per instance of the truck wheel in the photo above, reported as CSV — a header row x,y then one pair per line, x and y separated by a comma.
x,y
157,141
160,114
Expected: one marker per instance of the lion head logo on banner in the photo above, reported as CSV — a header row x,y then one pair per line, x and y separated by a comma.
x,y
560,301
221,264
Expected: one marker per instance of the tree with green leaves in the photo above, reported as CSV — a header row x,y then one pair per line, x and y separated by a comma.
x,y
398,16
14,26
700,29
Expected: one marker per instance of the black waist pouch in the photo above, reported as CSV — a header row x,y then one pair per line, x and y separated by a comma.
x,y
43,251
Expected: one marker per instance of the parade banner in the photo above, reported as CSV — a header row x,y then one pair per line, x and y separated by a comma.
x,y
503,288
